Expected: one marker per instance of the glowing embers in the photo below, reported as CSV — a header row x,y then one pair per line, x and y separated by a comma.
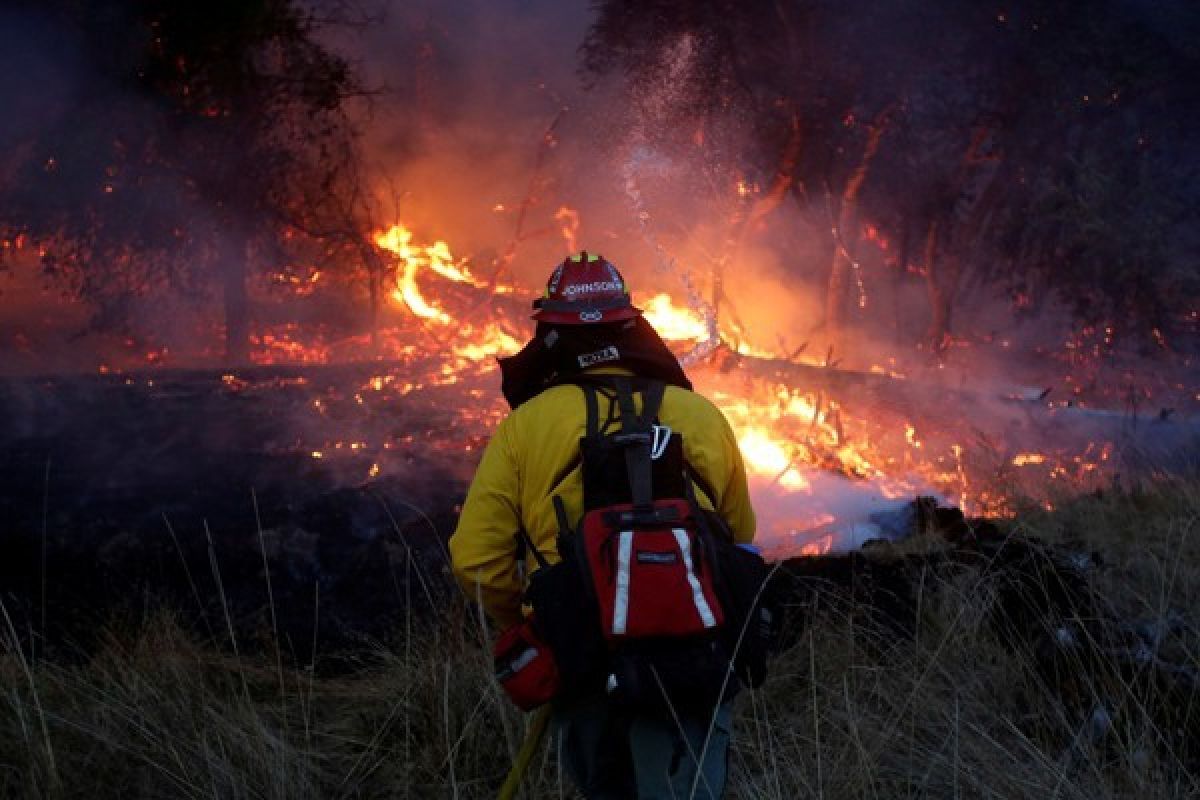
x,y
818,545
288,344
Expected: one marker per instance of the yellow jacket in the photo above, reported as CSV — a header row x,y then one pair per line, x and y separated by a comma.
x,y
532,448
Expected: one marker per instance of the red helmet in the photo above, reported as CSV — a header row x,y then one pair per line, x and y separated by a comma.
x,y
586,289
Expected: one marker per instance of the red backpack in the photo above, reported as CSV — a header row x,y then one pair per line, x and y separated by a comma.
x,y
651,567
642,601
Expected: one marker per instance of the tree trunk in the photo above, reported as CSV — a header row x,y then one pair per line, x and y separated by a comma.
x,y
237,308
958,214
843,239
835,292
742,225
374,293
904,248
941,279
783,180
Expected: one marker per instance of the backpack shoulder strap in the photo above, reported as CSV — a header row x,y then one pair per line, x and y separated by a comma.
x,y
652,398
629,415
593,409
695,480
525,547
636,439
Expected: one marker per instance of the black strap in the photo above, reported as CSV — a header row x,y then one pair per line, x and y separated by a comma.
x,y
629,416
565,472
522,548
636,434
614,412
652,392
593,408
696,481
526,545
652,397
560,511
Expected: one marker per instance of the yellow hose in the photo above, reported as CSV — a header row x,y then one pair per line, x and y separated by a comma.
x,y
537,729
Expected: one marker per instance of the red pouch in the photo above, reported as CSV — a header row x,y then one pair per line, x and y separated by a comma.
x,y
650,582
525,667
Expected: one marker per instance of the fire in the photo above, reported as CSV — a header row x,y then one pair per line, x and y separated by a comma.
x,y
802,446
674,324
783,435
765,455
779,421
477,343
910,435
398,241
568,221
818,546
493,342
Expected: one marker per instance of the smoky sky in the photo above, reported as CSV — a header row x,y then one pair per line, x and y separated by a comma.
x,y
40,72
462,94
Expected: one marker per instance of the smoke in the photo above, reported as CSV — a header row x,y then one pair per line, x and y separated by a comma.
x,y
40,75
482,130
474,88
470,92
79,138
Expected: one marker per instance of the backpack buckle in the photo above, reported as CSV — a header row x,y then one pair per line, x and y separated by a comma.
x,y
643,517
658,445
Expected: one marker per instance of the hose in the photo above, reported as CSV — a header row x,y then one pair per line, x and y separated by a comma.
x,y
533,739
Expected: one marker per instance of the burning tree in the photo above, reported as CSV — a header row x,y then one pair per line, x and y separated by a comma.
x,y
1023,146
184,145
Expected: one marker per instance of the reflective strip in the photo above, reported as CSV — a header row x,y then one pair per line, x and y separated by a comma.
x,y
662,437
524,660
685,547
621,602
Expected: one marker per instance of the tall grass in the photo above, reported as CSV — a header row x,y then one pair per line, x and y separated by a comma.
x,y
952,708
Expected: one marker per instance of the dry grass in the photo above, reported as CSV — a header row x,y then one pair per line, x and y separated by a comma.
x,y
851,711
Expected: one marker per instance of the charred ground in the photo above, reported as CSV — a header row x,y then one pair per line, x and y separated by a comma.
x,y
120,491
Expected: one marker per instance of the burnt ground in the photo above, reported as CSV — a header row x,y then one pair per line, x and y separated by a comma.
x,y
121,494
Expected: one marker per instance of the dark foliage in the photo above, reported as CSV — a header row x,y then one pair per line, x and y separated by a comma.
x,y
169,144
1037,145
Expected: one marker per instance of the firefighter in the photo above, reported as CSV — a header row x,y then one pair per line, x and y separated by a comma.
x,y
587,325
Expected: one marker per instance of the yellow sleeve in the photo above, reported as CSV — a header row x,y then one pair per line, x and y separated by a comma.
x,y
735,505
483,547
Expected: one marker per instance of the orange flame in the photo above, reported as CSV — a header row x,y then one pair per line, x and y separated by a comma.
x,y
674,324
480,343
568,221
787,437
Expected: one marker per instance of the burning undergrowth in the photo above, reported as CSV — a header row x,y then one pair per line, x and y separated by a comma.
x,y
828,447
830,450
341,480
